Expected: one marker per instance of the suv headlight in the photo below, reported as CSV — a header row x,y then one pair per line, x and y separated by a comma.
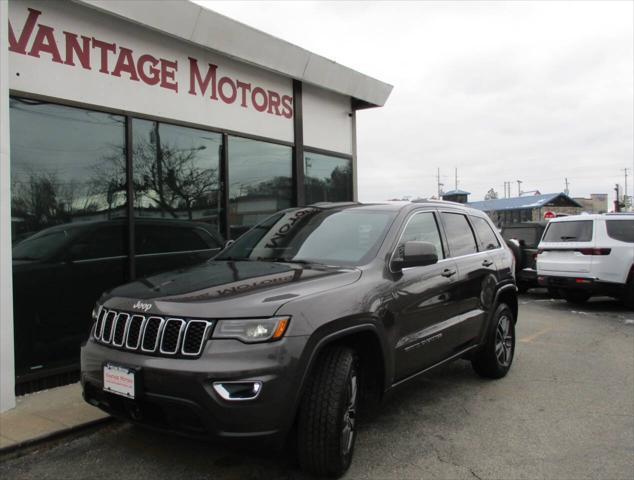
x,y
252,330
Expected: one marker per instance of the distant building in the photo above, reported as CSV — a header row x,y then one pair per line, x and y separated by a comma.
x,y
597,203
530,208
459,196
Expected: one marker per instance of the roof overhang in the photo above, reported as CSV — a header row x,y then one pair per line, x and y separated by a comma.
x,y
184,20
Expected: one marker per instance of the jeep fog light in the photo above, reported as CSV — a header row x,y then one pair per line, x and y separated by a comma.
x,y
252,331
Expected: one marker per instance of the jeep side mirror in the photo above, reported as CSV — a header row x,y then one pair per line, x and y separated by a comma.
x,y
415,254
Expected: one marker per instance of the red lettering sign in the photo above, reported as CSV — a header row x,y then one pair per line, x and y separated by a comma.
x,y
120,61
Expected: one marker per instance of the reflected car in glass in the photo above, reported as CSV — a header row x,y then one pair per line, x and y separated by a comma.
x,y
77,262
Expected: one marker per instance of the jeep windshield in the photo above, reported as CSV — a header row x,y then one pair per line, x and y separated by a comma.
x,y
347,237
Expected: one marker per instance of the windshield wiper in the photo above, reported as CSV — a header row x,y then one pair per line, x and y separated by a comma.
x,y
567,238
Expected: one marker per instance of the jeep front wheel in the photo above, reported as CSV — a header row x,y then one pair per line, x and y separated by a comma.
x,y
326,428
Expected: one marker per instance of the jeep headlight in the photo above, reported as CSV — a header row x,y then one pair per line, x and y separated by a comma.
x,y
252,330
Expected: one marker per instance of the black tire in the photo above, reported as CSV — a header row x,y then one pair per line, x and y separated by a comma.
x,y
576,297
494,360
327,411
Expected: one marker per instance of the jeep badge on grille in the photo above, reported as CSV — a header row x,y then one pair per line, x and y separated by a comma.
x,y
142,306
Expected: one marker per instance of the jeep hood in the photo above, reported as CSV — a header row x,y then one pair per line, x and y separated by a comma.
x,y
228,288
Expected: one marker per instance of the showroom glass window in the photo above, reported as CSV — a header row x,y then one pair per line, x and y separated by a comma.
x,y
260,182
68,198
327,178
176,195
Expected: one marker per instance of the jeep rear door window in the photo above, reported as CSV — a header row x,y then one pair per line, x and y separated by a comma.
x,y
314,235
422,227
622,230
571,231
487,239
459,234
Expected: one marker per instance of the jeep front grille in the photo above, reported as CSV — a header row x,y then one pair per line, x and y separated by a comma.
x,y
152,334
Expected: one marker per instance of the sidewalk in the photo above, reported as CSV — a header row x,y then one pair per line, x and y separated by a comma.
x,y
40,415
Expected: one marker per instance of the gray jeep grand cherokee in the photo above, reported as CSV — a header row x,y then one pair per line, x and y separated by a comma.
x,y
308,318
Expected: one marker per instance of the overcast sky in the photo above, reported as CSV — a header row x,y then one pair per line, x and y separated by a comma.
x,y
535,91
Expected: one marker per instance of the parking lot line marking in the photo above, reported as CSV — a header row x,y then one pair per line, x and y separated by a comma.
x,y
532,337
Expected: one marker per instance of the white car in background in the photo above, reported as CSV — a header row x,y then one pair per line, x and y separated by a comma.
x,y
586,255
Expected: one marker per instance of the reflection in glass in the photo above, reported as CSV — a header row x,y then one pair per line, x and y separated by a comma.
x,y
327,178
68,188
259,182
176,196
176,172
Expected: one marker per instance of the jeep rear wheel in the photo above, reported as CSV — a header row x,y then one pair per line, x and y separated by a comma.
x,y
327,418
496,357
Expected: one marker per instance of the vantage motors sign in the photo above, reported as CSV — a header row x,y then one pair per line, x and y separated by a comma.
x,y
71,52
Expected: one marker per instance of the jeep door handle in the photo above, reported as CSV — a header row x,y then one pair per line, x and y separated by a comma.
x,y
487,263
448,272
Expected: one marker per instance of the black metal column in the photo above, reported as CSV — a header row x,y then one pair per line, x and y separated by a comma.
x,y
225,228
298,148
130,192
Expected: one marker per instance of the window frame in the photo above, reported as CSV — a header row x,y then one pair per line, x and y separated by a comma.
x,y
406,222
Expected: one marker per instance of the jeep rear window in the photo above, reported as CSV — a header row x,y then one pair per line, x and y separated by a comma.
x,y
622,230
572,231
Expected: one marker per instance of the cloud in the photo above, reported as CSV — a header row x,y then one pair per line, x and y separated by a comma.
x,y
536,91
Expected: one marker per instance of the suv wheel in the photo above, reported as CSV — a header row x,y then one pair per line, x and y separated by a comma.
x,y
327,418
496,357
575,296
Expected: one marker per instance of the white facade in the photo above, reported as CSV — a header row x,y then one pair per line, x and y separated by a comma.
x,y
175,62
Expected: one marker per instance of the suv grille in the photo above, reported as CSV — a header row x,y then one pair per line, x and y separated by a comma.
x,y
152,334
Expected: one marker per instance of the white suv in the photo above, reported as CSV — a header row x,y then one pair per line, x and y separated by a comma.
x,y
585,255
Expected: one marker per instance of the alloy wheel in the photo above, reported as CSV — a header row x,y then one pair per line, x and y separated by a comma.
x,y
504,341
349,416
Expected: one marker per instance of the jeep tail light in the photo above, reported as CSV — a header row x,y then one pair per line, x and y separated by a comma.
x,y
594,251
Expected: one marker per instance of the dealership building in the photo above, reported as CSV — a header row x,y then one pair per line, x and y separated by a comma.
x,y
138,136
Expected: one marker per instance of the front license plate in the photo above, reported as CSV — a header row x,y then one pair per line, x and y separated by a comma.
x,y
118,380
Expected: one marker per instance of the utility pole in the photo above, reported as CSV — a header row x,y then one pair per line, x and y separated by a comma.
x,y
457,177
440,185
617,203
519,188
567,190
625,199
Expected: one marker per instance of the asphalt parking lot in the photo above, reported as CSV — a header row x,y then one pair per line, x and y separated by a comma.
x,y
566,410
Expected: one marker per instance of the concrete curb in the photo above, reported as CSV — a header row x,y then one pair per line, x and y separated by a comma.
x,y
18,449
